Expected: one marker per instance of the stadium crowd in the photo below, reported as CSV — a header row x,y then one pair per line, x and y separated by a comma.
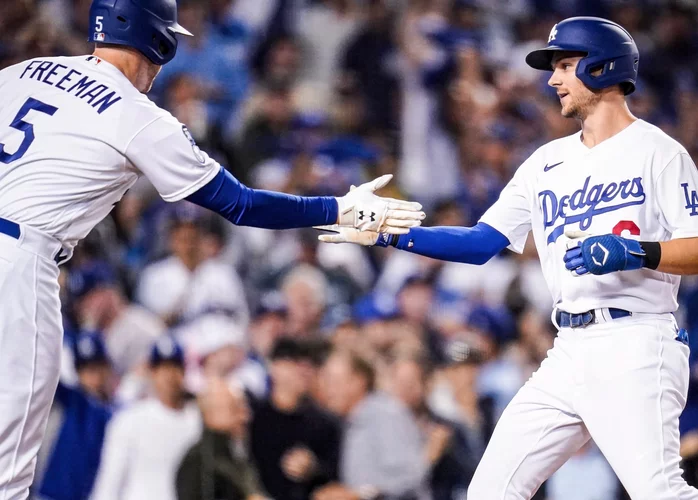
x,y
207,361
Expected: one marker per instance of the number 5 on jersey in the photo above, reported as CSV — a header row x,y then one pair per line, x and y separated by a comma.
x,y
27,128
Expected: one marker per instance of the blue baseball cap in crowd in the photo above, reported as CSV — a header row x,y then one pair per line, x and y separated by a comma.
x,y
496,322
166,350
88,277
184,212
375,307
89,348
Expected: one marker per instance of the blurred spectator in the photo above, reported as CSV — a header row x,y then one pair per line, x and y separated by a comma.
x,y
217,347
218,466
145,443
455,398
450,465
326,27
98,303
267,325
375,314
70,453
415,302
183,97
429,150
294,443
217,62
185,285
371,61
267,132
585,476
511,364
305,292
381,451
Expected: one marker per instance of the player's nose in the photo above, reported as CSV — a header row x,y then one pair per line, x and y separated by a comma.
x,y
554,80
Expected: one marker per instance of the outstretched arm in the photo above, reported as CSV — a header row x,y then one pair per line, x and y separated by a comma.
x,y
166,153
469,245
244,206
360,208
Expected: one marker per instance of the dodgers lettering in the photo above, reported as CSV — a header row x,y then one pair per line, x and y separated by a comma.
x,y
97,95
587,202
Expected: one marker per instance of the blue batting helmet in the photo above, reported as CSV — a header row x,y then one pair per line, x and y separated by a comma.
x,y
607,45
149,26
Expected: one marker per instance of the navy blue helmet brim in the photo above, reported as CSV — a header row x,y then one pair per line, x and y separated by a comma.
x,y
543,58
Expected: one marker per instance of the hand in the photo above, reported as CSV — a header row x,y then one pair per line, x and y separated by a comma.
x,y
437,442
360,208
335,491
602,254
349,235
299,464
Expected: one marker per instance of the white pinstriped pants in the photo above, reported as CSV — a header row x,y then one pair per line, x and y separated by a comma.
x,y
624,384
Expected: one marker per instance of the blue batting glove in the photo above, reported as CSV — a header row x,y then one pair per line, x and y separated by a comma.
x,y
602,254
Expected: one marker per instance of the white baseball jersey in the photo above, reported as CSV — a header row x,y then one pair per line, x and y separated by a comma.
x,y
75,134
639,184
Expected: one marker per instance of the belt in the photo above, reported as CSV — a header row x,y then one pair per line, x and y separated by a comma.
x,y
34,241
580,320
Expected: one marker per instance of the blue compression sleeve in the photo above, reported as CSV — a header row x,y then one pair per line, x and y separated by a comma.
x,y
470,245
244,206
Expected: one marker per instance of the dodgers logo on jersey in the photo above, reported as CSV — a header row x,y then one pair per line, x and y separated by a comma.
x,y
587,202
691,199
197,150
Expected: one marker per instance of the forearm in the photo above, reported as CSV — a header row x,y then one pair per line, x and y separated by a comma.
x,y
244,206
469,245
679,256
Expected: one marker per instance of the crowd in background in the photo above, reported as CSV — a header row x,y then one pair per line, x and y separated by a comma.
x,y
207,361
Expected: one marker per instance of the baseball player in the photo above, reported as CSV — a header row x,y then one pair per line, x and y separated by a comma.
x,y
75,134
614,214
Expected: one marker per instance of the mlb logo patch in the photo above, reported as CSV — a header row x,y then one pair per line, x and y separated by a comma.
x,y
99,37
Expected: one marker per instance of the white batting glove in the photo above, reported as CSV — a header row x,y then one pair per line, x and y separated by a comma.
x,y
348,235
361,209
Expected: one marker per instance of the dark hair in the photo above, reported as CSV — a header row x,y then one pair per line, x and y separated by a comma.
x,y
290,349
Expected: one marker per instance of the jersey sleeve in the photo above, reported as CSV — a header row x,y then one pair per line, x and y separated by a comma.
x,y
511,213
166,153
677,197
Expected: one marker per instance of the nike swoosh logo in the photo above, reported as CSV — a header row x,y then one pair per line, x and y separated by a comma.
x,y
550,167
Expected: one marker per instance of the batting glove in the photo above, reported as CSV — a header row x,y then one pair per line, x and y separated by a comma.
x,y
602,254
350,235
361,209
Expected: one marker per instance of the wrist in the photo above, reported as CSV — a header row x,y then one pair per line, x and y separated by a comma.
x,y
653,254
387,240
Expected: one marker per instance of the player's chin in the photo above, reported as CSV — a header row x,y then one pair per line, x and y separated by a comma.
x,y
568,111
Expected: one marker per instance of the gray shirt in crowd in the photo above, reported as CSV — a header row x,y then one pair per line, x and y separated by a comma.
x,y
382,448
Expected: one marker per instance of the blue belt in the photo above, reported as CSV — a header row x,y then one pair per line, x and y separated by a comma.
x,y
580,320
13,230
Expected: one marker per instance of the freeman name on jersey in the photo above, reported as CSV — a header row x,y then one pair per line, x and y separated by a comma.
x,y
60,76
589,199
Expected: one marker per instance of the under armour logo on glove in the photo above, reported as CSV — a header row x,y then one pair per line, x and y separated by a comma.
x,y
602,254
372,216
